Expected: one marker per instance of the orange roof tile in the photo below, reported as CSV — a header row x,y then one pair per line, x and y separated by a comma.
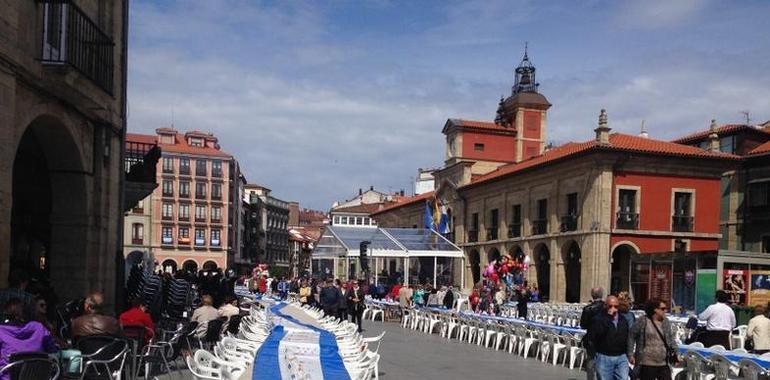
x,y
180,146
140,138
361,209
618,142
721,130
406,202
476,124
762,149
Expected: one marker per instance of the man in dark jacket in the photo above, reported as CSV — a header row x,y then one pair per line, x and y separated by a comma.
x,y
342,303
355,298
609,337
586,319
329,298
449,298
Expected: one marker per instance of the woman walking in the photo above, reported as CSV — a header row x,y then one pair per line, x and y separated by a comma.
x,y
651,344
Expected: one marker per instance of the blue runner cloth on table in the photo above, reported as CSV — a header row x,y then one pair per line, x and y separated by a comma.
x,y
735,357
332,365
268,357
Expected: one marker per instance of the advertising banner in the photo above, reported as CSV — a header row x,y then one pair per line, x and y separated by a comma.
x,y
760,287
735,283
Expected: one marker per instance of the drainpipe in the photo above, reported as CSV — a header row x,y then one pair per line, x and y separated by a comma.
x,y
120,299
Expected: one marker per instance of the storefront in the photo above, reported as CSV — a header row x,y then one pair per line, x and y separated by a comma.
x,y
681,279
745,276
408,255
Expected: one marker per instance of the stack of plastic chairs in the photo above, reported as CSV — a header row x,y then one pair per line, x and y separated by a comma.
x,y
178,297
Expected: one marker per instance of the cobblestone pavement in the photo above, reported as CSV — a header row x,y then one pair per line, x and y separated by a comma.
x,y
408,354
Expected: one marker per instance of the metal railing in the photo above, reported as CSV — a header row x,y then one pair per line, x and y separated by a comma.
x,y
540,227
627,221
680,223
473,236
514,230
492,233
70,37
568,223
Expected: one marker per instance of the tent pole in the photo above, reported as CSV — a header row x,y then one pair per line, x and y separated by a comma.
x,y
435,267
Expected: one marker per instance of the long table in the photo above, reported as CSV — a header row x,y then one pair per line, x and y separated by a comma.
x,y
298,344
733,356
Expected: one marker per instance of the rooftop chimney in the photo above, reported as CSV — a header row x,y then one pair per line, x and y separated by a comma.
x,y
603,131
644,133
713,137
360,191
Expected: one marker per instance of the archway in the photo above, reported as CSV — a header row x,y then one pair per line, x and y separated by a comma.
x,y
571,258
190,266
543,267
475,261
621,272
168,266
492,255
209,265
49,229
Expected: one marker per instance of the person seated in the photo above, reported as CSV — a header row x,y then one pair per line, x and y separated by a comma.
x,y
94,321
229,308
203,314
137,315
20,335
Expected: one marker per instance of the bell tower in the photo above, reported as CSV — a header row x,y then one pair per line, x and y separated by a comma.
x,y
525,111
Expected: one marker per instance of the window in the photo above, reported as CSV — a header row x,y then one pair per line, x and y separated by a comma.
x,y
167,235
569,221
216,191
184,166
540,224
167,211
168,165
479,147
200,190
216,168
215,241
344,220
184,212
473,231
168,188
766,244
196,141
682,219
727,144
184,189
137,233
200,168
184,235
366,221
139,207
200,213
514,230
336,220
493,225
358,220
627,217
216,214
200,237
759,194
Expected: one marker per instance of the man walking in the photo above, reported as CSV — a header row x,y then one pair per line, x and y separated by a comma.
x,y
329,298
586,319
355,297
720,321
609,336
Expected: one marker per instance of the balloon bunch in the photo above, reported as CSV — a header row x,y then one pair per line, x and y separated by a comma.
x,y
508,269
259,270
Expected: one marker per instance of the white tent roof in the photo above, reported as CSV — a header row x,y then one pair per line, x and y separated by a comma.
x,y
339,241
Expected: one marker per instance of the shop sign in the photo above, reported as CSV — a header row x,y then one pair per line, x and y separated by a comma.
x,y
734,282
760,287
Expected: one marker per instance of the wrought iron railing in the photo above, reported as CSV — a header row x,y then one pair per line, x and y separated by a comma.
x,y
539,227
514,230
473,236
568,223
627,221
70,37
492,233
681,223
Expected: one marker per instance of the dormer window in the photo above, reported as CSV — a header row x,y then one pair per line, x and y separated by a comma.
x,y
196,141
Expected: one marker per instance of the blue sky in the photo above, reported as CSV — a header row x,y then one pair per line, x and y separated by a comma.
x,y
318,99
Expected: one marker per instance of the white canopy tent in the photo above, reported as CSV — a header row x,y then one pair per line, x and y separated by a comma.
x,y
395,254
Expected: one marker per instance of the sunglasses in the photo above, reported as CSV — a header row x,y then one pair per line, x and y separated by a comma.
x,y
612,306
663,308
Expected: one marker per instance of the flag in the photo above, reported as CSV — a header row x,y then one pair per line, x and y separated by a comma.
x,y
443,225
428,215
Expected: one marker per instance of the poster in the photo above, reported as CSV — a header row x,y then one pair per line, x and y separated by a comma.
x,y
660,282
760,287
706,285
735,283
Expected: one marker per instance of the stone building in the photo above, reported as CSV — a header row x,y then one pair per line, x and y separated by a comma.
x,y
271,236
63,117
618,211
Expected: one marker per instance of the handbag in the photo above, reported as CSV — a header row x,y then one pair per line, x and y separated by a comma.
x,y
749,344
671,356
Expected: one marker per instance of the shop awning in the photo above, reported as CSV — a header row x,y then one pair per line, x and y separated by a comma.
x,y
344,241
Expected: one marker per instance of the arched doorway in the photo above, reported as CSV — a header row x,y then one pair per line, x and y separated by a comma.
x,y
168,266
493,254
190,266
621,272
543,267
475,261
49,229
571,257
209,265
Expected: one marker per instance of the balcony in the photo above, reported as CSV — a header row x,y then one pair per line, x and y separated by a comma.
x,y
184,170
627,221
568,223
514,230
216,220
200,172
216,173
473,236
200,196
492,233
137,241
682,223
540,227
184,218
168,194
166,240
139,163
200,242
215,243
167,217
72,39
201,219
184,240
184,195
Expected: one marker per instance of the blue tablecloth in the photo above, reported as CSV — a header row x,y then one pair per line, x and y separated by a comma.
x,y
736,357
266,362
556,328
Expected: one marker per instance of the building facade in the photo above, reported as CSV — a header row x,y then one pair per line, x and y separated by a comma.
x,y
63,117
190,211
271,238
618,211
